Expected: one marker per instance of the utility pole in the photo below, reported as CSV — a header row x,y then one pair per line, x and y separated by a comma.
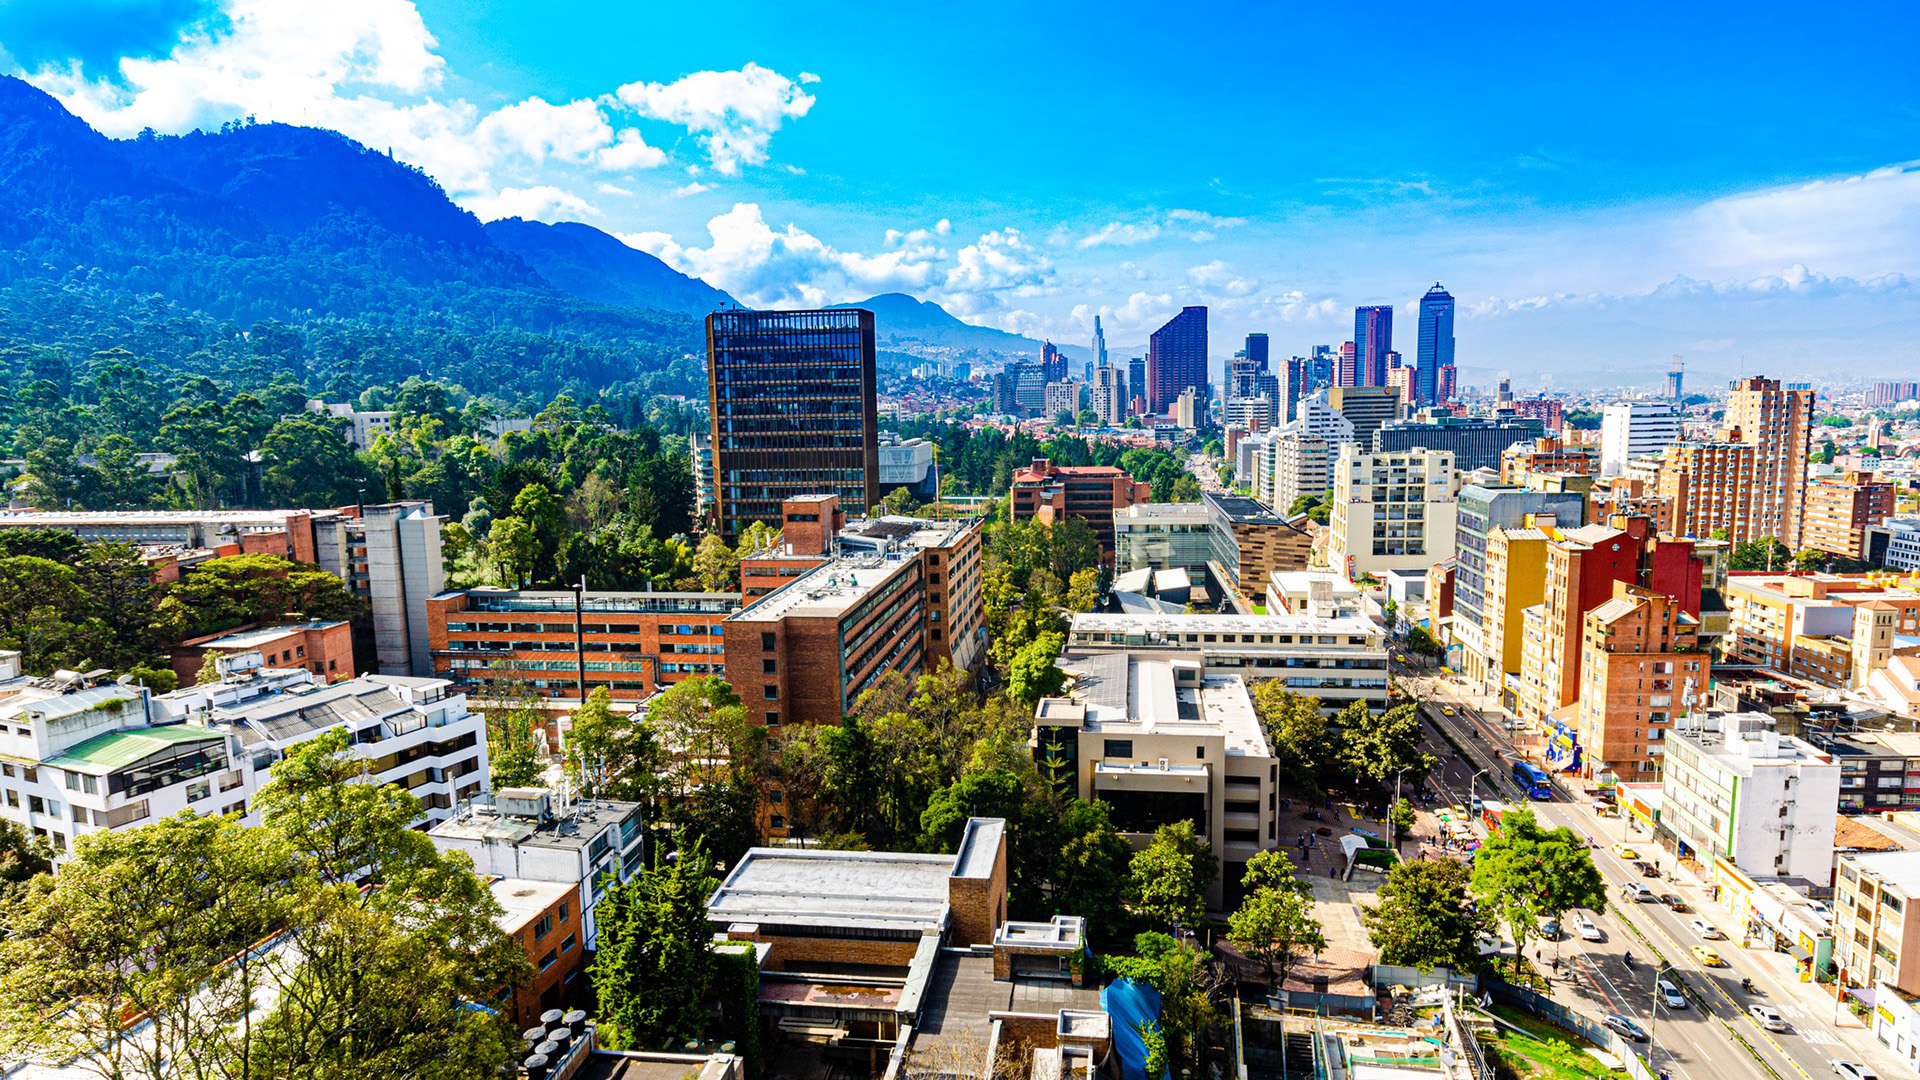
x,y
580,640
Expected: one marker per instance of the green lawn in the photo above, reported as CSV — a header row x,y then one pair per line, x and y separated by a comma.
x,y
1545,1051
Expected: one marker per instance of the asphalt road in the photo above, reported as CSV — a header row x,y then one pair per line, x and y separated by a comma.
x,y
1694,1043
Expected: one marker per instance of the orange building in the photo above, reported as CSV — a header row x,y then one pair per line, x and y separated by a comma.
x,y
1640,653
1839,511
543,917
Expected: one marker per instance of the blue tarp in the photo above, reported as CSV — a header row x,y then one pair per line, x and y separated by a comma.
x,y
1131,1005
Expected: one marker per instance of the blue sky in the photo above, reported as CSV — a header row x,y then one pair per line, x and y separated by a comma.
x,y
1601,188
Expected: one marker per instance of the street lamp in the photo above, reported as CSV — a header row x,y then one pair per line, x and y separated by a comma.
x,y
1393,830
1653,1018
1471,782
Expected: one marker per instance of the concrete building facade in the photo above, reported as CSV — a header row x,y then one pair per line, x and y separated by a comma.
x,y
1392,511
1736,789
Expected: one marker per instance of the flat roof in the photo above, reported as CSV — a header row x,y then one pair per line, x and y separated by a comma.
x,y
260,635
1243,509
1120,694
1900,869
521,900
980,847
854,889
584,819
15,518
1192,511
1100,622
826,591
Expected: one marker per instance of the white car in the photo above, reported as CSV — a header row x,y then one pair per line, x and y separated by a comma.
x,y
1852,1070
1670,995
1706,929
1586,929
1767,1017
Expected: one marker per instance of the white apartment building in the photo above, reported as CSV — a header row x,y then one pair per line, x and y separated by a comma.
x,y
1309,592
1162,536
1302,465
1876,919
363,425
1737,789
1336,659
1316,418
1162,742
1633,429
1392,510
81,755
538,835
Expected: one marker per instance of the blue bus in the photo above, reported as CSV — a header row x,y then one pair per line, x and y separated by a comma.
x,y
1532,781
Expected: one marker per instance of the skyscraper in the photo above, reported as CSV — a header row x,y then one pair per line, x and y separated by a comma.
x,y
1436,342
792,395
1136,384
1257,351
1053,363
1346,368
1099,344
1372,341
1177,359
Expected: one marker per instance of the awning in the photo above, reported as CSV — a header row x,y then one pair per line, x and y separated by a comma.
x,y
1800,954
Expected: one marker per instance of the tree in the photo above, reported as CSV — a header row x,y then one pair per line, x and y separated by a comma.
x,y
22,858
1033,675
1767,553
1083,590
1402,817
307,462
1276,917
513,548
1377,747
611,755
1392,614
655,961
716,564
1085,871
512,760
1172,874
1298,731
988,793
1525,873
1422,643
1073,546
1425,919
135,935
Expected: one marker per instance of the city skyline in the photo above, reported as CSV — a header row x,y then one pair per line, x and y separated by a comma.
x,y
1582,222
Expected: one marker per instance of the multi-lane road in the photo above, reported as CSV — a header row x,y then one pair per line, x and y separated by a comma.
x,y
1713,1036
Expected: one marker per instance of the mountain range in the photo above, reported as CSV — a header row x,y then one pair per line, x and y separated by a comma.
x,y
271,221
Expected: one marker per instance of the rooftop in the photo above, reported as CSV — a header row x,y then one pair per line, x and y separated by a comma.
x,y
1117,693
827,591
1178,627
569,829
103,754
1242,509
1743,742
18,518
855,889
521,901
487,598
1192,512
1900,869
260,635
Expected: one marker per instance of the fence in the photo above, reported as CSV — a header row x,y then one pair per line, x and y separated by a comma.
x,y
1599,1034
1383,975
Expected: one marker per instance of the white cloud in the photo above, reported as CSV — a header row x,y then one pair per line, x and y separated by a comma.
x,y
542,203
1122,233
694,188
734,112
370,69
1220,279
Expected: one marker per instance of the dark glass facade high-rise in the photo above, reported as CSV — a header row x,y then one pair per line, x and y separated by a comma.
x,y
1177,359
1136,380
1372,341
793,411
1436,344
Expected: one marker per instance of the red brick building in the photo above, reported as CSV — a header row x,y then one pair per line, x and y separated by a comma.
x,y
1839,511
324,648
1047,492
631,643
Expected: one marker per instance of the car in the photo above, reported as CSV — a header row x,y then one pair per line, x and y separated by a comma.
x,y
1706,956
1674,903
1767,1017
1512,725
1647,869
1590,932
1399,659
1550,929
1626,852
1670,995
1447,709
1626,1027
1819,907
1852,1070
1706,929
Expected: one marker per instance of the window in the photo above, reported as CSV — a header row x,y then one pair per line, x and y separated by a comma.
x,y
201,790
564,906
766,641
566,945
770,692
1118,748
776,796
543,927
769,666
773,719
1199,753
547,961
